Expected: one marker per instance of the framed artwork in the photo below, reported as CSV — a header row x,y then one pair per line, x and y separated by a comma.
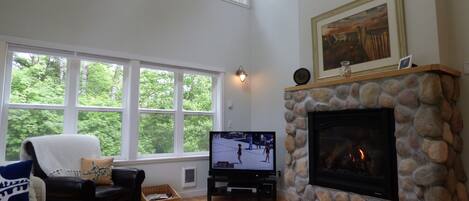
x,y
405,62
368,33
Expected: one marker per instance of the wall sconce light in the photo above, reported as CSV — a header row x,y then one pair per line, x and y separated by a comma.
x,y
241,74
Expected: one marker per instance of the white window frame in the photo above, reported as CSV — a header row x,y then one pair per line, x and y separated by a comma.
x,y
129,109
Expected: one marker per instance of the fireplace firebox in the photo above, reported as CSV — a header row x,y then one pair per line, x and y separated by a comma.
x,y
354,150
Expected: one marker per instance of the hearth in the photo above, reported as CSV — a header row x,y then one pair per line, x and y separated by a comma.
x,y
354,150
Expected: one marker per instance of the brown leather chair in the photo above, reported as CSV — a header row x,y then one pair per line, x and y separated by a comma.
x,y
126,185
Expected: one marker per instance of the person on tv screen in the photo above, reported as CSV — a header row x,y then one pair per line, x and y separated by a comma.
x,y
267,153
239,154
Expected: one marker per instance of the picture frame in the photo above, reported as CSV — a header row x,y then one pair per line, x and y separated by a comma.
x,y
405,62
368,33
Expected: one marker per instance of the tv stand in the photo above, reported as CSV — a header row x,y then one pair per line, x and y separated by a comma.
x,y
259,187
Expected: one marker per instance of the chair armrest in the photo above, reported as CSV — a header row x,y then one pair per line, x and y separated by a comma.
x,y
128,177
69,188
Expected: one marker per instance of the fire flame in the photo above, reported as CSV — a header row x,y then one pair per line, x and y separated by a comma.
x,y
362,153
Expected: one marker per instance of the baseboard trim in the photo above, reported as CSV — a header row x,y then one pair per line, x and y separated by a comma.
x,y
193,193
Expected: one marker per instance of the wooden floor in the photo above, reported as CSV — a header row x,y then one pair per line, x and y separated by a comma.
x,y
218,198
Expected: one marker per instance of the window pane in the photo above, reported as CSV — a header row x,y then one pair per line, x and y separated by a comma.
x,y
100,84
196,130
104,125
156,89
29,123
156,133
37,79
197,92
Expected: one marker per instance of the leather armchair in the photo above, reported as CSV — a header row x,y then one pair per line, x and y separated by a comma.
x,y
126,185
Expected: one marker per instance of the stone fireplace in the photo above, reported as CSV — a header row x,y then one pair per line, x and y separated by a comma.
x,y
426,135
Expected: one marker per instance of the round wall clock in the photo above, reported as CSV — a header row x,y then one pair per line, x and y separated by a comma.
x,y
301,76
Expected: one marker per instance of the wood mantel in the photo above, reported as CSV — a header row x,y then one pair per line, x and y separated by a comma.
x,y
438,68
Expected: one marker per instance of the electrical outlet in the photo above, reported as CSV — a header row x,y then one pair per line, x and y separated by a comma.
x,y
466,67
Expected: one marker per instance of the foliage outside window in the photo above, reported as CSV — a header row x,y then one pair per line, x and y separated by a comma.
x,y
39,104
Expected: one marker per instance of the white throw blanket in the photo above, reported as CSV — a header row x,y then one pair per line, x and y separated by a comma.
x,y
60,155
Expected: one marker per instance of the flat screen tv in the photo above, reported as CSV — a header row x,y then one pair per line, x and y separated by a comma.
x,y
242,152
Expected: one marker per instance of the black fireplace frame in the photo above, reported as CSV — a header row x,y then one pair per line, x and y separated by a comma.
x,y
386,187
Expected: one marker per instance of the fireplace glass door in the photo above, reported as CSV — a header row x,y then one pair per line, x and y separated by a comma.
x,y
354,150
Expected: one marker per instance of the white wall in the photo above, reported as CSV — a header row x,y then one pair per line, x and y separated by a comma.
x,y
208,33
274,58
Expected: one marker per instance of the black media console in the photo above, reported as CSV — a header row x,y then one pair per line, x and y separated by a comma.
x,y
249,187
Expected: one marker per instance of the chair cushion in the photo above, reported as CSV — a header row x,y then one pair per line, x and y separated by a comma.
x,y
97,170
14,181
112,193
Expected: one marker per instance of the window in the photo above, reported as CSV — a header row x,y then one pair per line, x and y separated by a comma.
x,y
51,92
243,3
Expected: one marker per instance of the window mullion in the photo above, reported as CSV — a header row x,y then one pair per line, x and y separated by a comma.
x,y
131,114
71,94
179,115
5,64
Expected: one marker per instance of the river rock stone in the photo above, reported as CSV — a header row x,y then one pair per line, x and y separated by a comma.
x,y
447,134
438,151
351,103
410,81
446,110
289,116
456,121
288,159
341,196
290,143
369,94
300,184
356,197
290,129
299,153
323,195
461,192
451,157
430,89
355,90
430,174
300,123
299,96
322,94
337,104
458,144
302,167
292,195
310,105
408,98
447,84
402,148
289,177
437,193
407,166
391,87
300,138
386,101
456,91
459,169
451,182
309,194
406,183
428,122
403,114
342,91
300,109
287,96
402,129
289,105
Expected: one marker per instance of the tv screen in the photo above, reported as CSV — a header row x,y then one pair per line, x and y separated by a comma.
x,y
242,152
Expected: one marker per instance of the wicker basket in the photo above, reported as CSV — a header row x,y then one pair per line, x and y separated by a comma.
x,y
161,189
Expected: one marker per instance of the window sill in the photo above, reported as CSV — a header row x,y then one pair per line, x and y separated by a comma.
x,y
166,159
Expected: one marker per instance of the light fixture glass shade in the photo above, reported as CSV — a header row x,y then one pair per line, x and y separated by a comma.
x,y
241,74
